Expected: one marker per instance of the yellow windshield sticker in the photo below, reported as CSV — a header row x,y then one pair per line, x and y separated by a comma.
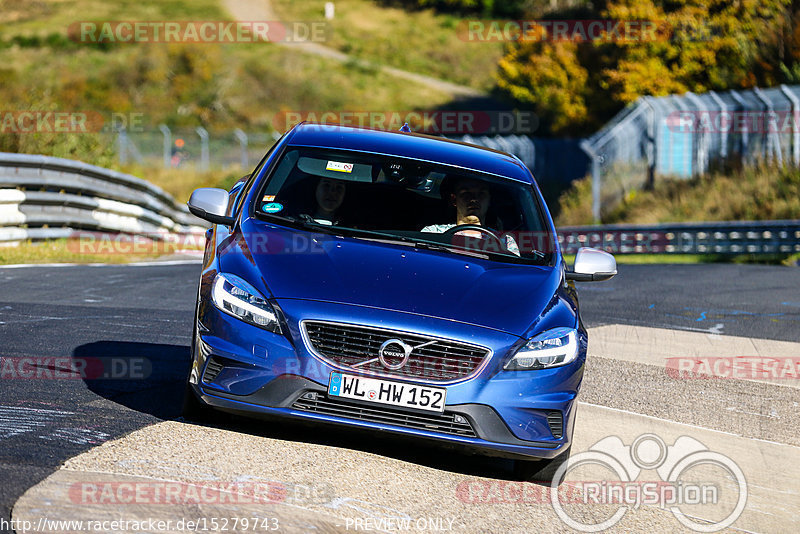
x,y
339,167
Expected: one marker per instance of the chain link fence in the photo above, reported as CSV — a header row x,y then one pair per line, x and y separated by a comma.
x,y
195,149
550,160
554,162
666,137
690,135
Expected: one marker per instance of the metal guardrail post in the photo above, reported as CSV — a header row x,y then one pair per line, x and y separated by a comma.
x,y
167,144
702,137
651,143
745,131
242,137
795,123
688,163
773,141
586,147
203,147
723,141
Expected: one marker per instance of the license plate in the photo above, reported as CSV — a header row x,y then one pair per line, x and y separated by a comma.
x,y
387,392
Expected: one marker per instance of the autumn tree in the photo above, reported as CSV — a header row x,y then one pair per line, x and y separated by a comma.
x,y
575,85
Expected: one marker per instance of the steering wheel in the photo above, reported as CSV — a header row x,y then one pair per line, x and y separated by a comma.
x,y
462,227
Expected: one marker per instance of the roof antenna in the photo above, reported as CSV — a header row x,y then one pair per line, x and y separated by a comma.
x,y
405,128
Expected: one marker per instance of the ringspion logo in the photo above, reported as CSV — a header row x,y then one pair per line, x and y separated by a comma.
x,y
690,477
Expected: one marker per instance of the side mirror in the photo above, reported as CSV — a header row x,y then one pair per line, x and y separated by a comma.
x,y
210,204
592,265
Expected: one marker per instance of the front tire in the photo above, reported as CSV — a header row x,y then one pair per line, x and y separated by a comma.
x,y
193,409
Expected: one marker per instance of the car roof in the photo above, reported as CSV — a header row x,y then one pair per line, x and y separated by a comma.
x,y
410,145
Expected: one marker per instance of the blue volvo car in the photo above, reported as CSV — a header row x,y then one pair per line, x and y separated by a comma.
x,y
393,282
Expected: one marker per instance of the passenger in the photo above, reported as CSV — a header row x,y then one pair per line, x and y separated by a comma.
x,y
471,199
329,195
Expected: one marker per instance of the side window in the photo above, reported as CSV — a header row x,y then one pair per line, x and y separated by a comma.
x,y
236,195
248,181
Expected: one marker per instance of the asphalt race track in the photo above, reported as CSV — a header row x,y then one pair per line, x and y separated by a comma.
x,y
759,301
141,316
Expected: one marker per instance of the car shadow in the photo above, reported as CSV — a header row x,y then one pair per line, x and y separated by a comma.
x,y
150,378
407,449
146,377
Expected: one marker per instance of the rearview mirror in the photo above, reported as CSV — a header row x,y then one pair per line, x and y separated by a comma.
x,y
592,265
210,204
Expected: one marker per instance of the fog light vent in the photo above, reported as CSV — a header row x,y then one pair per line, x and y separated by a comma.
x,y
556,424
213,368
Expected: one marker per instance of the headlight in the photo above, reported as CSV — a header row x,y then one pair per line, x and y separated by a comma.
x,y
553,348
236,297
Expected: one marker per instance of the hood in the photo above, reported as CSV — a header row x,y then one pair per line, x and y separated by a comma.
x,y
297,264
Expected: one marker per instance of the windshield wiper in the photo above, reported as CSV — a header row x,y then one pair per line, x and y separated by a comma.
x,y
302,222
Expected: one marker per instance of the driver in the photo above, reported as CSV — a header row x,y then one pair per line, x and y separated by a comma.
x,y
471,199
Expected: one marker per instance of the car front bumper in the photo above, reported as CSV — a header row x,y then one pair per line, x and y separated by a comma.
x,y
243,369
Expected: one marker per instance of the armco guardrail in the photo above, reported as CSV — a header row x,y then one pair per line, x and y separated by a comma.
x,y
747,237
43,197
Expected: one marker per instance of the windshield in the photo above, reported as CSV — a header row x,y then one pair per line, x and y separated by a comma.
x,y
388,198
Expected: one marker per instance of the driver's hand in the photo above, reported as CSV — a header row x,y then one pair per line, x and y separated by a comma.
x,y
471,219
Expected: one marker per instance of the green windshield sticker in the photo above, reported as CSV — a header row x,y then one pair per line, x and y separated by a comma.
x,y
272,207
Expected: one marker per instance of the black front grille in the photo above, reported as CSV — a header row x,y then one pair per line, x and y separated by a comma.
x,y
555,421
346,346
445,423
213,367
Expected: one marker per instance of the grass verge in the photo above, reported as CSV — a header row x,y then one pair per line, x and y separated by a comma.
x,y
62,251
420,41
757,193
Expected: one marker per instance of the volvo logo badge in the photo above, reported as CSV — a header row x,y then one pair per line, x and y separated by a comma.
x,y
394,353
